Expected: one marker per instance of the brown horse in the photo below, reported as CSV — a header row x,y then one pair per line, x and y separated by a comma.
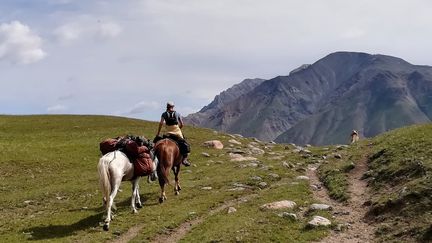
x,y
169,158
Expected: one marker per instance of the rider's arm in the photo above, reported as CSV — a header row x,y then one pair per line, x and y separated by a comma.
x,y
160,126
180,122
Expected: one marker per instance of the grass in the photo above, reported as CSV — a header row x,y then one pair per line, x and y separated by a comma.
x,y
400,173
49,186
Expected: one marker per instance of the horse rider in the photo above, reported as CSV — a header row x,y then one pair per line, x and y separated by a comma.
x,y
173,125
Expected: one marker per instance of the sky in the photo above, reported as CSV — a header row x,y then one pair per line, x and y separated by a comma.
x,y
128,58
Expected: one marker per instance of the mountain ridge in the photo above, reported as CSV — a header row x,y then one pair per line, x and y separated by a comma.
x,y
322,102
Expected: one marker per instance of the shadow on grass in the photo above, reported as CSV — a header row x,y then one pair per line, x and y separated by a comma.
x,y
59,231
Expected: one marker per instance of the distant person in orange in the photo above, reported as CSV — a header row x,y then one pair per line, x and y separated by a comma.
x,y
354,136
173,125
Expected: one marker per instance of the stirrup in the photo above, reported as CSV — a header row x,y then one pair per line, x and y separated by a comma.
x,y
186,162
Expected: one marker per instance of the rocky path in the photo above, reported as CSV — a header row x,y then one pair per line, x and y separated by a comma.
x,y
349,214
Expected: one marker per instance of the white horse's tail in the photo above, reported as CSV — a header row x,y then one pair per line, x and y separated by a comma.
x,y
104,177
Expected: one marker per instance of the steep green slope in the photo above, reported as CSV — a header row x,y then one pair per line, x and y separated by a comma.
x,y
49,186
399,178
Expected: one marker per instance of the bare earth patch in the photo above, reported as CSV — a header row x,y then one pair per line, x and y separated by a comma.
x,y
352,212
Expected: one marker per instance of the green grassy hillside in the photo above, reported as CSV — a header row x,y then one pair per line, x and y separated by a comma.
x,y
49,186
399,177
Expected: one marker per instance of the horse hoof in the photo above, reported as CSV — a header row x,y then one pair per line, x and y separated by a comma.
x,y
134,211
176,193
161,200
139,205
106,227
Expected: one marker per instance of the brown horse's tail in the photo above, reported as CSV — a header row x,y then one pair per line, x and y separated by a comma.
x,y
163,158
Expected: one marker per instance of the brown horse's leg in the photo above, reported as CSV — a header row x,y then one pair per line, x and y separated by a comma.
x,y
177,187
162,183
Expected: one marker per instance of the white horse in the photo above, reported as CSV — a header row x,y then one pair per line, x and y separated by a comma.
x,y
115,167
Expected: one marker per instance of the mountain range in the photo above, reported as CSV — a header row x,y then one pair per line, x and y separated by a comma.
x,y
322,102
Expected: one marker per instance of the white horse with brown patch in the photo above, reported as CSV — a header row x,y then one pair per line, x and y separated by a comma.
x,y
115,167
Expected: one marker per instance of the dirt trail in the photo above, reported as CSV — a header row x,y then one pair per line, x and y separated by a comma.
x,y
353,211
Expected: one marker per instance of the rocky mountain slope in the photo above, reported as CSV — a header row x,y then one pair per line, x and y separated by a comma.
x,y
321,103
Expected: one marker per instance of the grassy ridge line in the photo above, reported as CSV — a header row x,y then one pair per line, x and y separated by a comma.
x,y
400,164
49,184
400,174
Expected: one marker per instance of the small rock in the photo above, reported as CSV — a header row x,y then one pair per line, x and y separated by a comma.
x,y
262,184
206,188
287,165
318,206
241,185
216,144
257,151
236,189
233,141
302,178
306,151
28,201
237,151
315,187
257,140
338,156
205,154
252,164
232,210
318,221
274,176
286,215
341,227
256,178
253,144
84,208
308,145
340,147
279,205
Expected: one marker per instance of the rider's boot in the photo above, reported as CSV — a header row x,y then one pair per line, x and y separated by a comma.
x,y
185,161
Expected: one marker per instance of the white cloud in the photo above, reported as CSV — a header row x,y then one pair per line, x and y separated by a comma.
x,y
18,44
109,30
87,27
56,109
142,107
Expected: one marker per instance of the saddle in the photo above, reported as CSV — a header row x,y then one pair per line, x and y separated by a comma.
x,y
183,146
137,149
